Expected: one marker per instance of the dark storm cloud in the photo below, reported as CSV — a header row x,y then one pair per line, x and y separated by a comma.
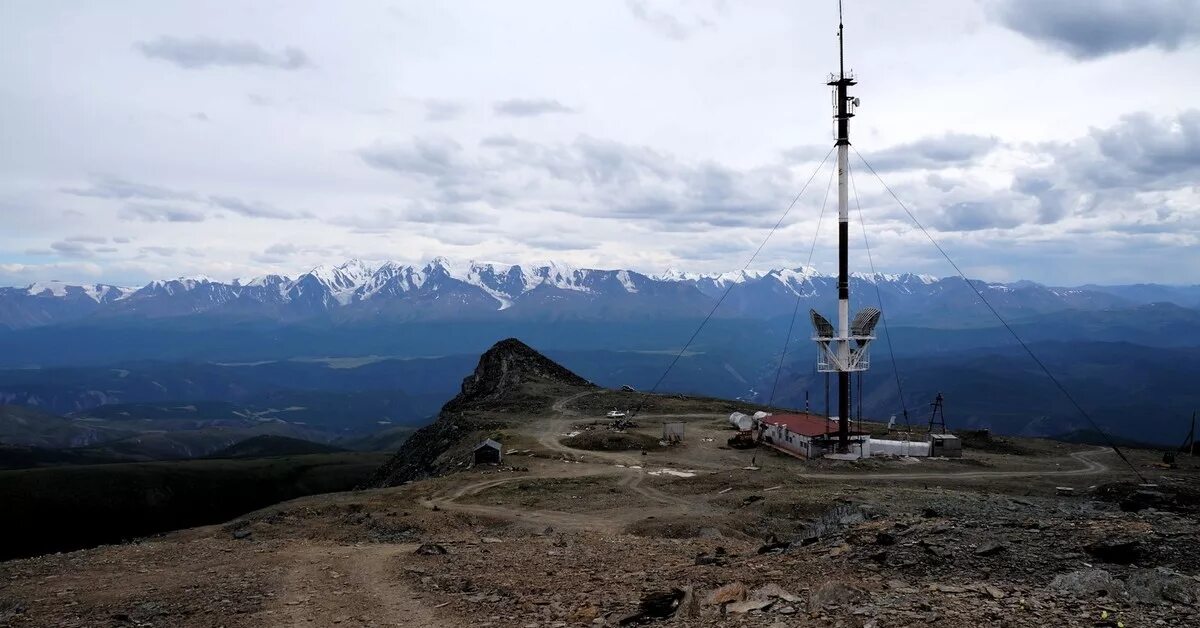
x,y
201,52
254,209
930,153
160,213
529,107
1095,28
116,188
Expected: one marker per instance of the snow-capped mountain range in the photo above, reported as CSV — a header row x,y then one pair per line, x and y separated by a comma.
x,y
442,289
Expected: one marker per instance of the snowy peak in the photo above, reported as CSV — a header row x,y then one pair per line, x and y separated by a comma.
x,y
100,293
446,289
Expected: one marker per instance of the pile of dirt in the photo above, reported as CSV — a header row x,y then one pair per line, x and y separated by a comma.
x,y
605,440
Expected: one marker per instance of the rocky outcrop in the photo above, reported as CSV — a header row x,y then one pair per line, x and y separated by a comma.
x,y
500,385
502,373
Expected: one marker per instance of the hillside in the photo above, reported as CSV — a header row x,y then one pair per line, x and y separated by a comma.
x,y
1039,532
511,384
269,446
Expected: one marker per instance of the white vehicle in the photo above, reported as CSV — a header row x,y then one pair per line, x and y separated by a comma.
x,y
615,414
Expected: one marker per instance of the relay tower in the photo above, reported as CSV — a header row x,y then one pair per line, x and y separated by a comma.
x,y
843,350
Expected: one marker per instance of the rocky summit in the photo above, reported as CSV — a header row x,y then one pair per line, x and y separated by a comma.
x,y
511,378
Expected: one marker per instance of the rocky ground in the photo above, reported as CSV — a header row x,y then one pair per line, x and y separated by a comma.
x,y
1018,533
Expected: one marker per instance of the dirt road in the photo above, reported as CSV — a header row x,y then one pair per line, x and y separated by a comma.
x,y
327,584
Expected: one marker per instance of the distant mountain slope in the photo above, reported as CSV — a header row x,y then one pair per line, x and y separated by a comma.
x,y
320,393
442,290
267,445
33,427
512,382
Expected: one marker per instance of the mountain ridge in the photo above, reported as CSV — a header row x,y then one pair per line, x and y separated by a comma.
x,y
446,290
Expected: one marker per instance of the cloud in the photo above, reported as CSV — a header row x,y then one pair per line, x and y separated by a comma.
x,y
930,153
444,215
529,107
439,161
1140,153
201,52
88,239
429,156
375,221
71,249
975,215
116,188
1096,28
660,22
588,177
285,251
18,273
560,243
443,110
160,213
254,209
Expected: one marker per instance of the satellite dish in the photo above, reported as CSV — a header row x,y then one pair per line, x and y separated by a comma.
x,y
856,101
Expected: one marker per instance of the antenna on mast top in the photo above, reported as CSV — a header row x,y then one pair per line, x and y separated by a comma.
x,y
841,45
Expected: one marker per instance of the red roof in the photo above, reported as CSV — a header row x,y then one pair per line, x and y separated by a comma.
x,y
803,424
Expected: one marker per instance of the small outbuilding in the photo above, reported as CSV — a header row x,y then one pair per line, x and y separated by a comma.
x,y
947,445
673,433
487,452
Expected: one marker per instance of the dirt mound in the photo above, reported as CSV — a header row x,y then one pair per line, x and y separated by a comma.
x,y
604,440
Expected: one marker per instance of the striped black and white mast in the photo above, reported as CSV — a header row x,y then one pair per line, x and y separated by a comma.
x,y
843,350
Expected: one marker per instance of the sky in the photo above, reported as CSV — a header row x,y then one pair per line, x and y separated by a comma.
x,y
1056,141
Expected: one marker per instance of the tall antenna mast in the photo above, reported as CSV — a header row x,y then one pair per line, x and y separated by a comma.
x,y
843,350
841,45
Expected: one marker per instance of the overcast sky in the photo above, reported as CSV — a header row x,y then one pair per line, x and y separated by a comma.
x,y
1053,141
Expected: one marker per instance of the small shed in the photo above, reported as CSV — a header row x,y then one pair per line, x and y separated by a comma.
x,y
946,445
487,452
673,433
